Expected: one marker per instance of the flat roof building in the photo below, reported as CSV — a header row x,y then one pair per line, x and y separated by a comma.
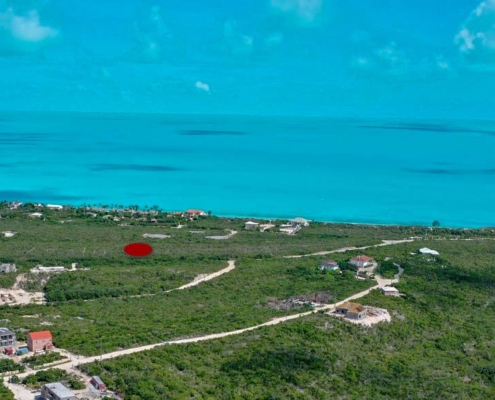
x,y
390,291
98,383
56,391
7,267
426,250
7,338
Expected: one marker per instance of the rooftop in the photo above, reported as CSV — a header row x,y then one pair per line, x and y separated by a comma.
x,y
389,289
59,389
40,335
426,250
299,220
362,258
4,331
352,307
98,380
330,263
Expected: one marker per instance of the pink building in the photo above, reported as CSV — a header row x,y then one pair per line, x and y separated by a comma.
x,y
41,340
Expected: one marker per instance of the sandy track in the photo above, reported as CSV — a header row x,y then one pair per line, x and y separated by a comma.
x,y
196,281
76,360
344,249
208,277
22,393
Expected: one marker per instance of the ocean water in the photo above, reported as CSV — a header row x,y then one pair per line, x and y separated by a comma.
x,y
362,171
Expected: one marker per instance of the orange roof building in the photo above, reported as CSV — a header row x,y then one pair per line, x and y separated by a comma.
x,y
41,340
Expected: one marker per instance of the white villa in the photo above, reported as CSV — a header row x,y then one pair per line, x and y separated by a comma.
x,y
251,225
426,250
389,291
54,207
299,221
329,265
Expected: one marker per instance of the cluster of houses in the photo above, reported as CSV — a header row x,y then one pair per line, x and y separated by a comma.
x,y
360,262
37,342
291,227
14,205
58,391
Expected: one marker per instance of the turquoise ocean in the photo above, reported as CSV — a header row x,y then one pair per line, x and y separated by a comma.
x,y
337,170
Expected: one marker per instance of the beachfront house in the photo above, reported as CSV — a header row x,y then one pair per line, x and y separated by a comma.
x,y
193,213
14,205
56,391
7,338
390,291
6,268
41,340
35,215
426,250
54,207
329,265
299,222
361,261
251,225
352,310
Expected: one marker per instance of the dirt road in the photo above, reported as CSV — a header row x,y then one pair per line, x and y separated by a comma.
x,y
76,360
22,393
344,249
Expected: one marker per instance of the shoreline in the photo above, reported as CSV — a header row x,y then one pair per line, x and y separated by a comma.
x,y
261,217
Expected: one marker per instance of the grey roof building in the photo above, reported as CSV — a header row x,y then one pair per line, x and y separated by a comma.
x,y
7,338
56,391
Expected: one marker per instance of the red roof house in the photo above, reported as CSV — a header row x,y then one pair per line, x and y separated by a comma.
x,y
98,383
195,213
41,340
361,261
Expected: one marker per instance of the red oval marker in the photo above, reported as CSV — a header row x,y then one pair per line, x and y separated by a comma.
x,y
138,249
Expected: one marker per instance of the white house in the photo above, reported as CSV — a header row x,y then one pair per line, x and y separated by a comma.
x,y
299,221
329,265
36,215
426,250
54,207
389,291
7,268
14,205
251,225
361,261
